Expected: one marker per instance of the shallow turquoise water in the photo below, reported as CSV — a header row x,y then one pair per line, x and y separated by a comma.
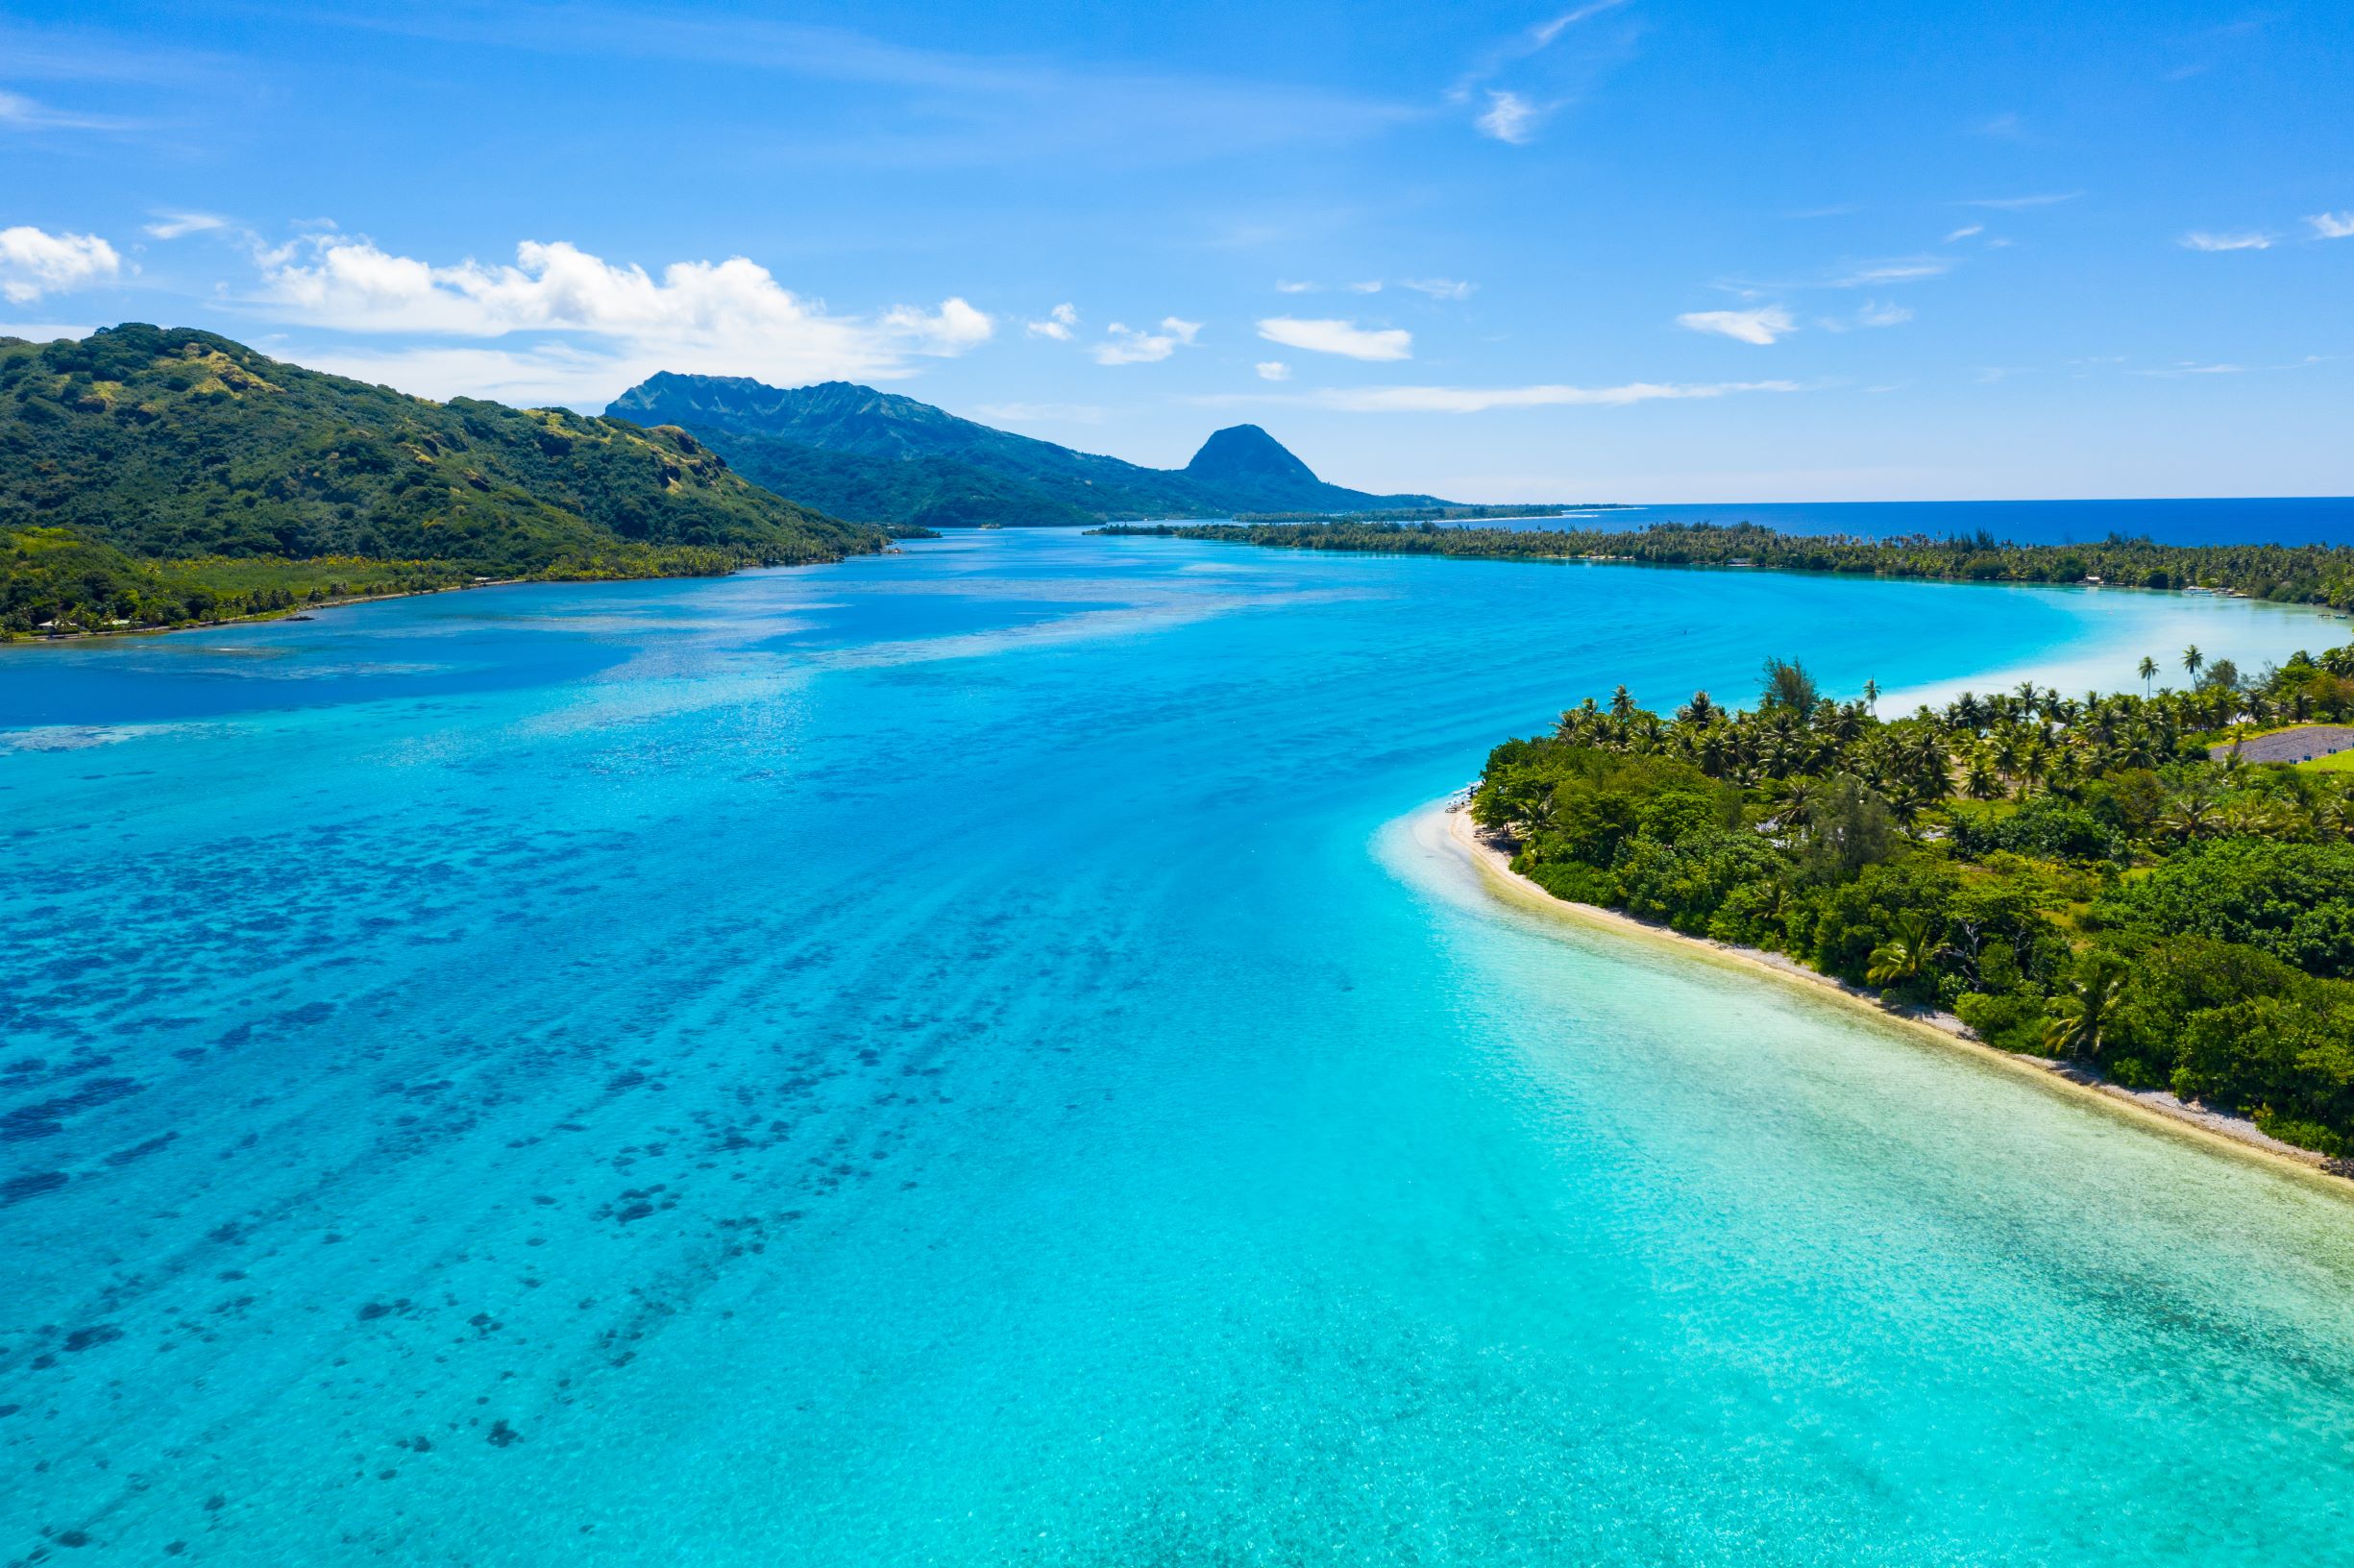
x,y
962,1057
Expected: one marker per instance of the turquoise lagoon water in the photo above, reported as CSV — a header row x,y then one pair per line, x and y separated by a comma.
x,y
964,1057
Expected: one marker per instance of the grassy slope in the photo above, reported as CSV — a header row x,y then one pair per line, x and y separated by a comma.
x,y
138,464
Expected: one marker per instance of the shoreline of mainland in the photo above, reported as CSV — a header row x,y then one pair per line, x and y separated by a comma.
x,y
2154,1109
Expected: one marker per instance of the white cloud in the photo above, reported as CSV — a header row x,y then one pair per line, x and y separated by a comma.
x,y
1341,337
1287,286
1874,314
1544,33
2332,225
1439,289
1965,231
1509,117
1762,326
174,225
1057,323
34,262
1273,370
2200,239
1127,346
2190,368
1372,287
1474,400
726,317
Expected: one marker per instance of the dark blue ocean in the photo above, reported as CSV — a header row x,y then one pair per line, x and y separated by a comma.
x,y
2286,519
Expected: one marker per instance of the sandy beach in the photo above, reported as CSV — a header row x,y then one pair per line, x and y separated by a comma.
x,y
1450,827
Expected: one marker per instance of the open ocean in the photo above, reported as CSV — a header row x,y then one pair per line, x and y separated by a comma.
x,y
2286,519
961,1058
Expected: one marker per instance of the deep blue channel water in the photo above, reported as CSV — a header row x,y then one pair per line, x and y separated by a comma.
x,y
968,1057
2224,520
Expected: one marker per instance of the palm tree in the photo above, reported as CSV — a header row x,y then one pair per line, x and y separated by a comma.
x,y
2085,1012
2148,672
1979,779
2193,662
1872,695
1902,961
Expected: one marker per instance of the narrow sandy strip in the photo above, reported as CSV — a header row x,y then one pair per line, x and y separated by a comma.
x,y
2150,1108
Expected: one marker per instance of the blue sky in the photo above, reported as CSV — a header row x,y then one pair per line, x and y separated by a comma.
x,y
1660,250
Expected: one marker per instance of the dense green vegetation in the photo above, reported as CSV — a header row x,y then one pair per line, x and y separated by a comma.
x,y
2074,877
2291,574
154,477
859,453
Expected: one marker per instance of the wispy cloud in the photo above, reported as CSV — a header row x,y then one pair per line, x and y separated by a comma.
x,y
1129,346
1042,413
1509,117
1872,314
2022,204
1057,323
34,262
1901,269
1273,370
2332,225
2200,239
1341,337
1766,324
176,225
1287,286
18,113
2189,368
2003,126
1965,231
1439,289
947,108
1476,400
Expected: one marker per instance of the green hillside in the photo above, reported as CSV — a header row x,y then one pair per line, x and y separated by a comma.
x,y
877,456
153,477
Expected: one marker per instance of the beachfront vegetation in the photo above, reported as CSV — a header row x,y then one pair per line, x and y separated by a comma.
x,y
2073,876
154,477
2289,574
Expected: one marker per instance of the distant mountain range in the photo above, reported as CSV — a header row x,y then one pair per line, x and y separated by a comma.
x,y
874,456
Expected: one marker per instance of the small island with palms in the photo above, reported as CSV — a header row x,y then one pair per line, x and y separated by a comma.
x,y
2107,880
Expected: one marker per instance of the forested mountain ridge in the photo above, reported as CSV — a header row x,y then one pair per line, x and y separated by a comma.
x,y
131,456
877,456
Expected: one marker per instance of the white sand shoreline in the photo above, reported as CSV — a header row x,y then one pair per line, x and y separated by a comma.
x,y
1453,829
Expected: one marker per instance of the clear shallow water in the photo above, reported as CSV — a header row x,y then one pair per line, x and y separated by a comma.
x,y
958,1058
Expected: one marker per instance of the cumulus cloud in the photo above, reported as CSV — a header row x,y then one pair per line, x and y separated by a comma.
x,y
1273,370
2332,225
1057,323
1475,400
2200,239
34,262
1509,117
1766,324
1130,346
1341,337
727,316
